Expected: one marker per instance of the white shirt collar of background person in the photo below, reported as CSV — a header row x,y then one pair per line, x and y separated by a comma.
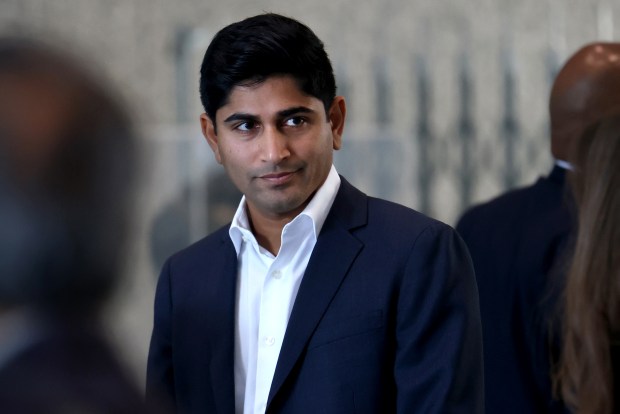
x,y
564,165
266,290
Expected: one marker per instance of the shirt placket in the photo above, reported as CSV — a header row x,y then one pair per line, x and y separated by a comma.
x,y
272,324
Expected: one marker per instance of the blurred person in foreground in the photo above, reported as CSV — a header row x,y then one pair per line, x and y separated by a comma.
x,y
519,245
66,161
589,370
316,298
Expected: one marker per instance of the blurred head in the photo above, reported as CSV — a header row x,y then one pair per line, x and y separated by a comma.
x,y
66,153
252,50
586,88
592,304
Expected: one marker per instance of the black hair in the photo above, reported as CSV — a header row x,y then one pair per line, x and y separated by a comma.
x,y
250,51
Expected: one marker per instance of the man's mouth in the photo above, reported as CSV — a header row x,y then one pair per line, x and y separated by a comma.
x,y
279,177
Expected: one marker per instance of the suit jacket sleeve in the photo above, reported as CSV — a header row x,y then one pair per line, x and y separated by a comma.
x,y
159,376
439,366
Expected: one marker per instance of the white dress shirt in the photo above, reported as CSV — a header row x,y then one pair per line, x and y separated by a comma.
x,y
266,289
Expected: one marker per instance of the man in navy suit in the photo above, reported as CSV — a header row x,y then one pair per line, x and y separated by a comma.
x,y
316,298
519,241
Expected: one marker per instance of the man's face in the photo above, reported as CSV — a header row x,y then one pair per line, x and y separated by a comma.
x,y
276,144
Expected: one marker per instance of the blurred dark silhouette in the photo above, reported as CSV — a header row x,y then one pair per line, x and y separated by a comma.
x,y
589,370
519,243
66,166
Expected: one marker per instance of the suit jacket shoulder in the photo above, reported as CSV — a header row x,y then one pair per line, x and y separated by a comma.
x,y
355,209
516,206
200,250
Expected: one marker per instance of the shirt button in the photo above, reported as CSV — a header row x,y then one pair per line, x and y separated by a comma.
x,y
277,274
269,340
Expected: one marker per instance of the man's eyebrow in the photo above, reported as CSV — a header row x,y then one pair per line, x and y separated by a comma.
x,y
292,111
240,116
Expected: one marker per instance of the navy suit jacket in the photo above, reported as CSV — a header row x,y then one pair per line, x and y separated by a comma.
x,y
386,320
518,243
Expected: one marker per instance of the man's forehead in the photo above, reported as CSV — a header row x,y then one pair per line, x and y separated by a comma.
x,y
280,83
271,96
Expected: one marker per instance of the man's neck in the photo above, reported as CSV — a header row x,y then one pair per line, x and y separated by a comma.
x,y
268,228
269,236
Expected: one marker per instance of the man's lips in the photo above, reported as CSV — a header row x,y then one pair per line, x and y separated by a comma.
x,y
279,177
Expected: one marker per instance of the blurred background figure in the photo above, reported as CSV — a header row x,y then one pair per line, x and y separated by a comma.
x,y
66,165
518,243
589,371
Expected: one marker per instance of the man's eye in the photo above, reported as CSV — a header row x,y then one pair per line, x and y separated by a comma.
x,y
245,126
295,121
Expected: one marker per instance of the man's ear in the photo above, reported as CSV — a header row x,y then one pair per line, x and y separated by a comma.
x,y
337,114
208,130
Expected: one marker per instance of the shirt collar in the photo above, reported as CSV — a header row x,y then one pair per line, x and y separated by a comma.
x,y
564,164
317,210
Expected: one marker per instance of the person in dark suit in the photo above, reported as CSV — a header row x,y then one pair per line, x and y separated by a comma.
x,y
519,245
66,161
317,297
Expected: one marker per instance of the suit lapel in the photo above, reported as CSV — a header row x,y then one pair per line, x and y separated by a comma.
x,y
222,321
333,254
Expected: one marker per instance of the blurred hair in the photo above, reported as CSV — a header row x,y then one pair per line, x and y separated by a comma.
x,y
592,296
250,51
66,165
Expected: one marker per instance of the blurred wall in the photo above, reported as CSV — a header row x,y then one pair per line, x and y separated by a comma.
x,y
447,103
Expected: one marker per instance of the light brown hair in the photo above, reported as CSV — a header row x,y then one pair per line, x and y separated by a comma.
x,y
592,294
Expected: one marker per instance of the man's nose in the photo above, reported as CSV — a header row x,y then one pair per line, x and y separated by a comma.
x,y
274,146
